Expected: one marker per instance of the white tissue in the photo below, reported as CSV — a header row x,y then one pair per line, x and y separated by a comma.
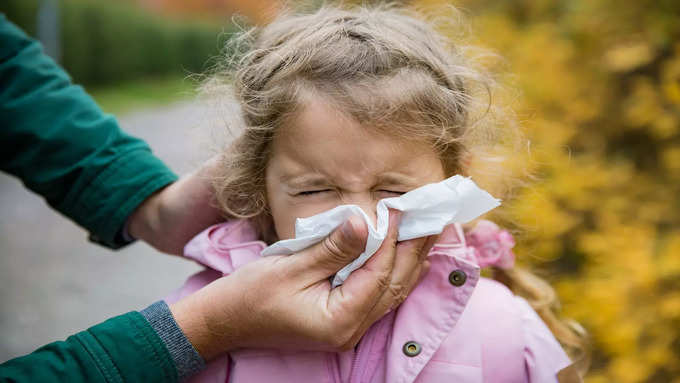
x,y
426,211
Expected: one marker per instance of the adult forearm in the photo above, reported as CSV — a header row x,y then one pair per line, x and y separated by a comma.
x,y
62,146
124,348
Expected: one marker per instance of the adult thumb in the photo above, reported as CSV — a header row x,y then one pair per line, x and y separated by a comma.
x,y
337,250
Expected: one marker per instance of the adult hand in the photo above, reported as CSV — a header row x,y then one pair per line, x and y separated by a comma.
x,y
168,219
287,301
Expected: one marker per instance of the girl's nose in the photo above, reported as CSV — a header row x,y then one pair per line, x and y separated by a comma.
x,y
365,202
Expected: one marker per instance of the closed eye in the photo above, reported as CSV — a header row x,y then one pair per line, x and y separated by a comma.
x,y
311,192
391,192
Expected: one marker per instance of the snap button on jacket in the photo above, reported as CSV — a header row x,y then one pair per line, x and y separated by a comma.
x,y
457,278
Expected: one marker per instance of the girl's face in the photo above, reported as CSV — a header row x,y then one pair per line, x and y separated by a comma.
x,y
323,159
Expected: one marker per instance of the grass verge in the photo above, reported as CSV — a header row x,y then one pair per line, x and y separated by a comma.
x,y
144,93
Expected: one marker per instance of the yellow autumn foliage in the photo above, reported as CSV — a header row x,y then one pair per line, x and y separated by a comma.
x,y
599,84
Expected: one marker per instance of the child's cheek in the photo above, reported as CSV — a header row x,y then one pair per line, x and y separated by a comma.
x,y
313,206
284,217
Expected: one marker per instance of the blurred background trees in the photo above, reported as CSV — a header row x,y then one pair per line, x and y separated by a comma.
x,y
599,84
106,42
600,102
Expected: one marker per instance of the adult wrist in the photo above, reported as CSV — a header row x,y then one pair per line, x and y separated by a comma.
x,y
144,220
186,358
210,318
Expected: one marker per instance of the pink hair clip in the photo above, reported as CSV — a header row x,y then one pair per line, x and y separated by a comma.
x,y
492,246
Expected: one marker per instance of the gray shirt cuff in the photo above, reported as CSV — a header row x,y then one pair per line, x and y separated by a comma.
x,y
187,360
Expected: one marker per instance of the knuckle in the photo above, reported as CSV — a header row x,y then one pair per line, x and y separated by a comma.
x,y
334,248
421,254
424,253
398,293
383,281
392,244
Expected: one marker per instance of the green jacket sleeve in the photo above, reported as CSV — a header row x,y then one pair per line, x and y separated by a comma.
x,y
62,146
122,349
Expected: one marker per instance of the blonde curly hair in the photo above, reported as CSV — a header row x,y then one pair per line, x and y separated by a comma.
x,y
389,69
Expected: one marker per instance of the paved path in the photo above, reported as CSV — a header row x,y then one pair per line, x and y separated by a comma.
x,y
53,282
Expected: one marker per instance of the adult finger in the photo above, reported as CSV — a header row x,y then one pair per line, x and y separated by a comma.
x,y
409,268
423,264
336,251
364,287
431,240
412,278
406,264
410,256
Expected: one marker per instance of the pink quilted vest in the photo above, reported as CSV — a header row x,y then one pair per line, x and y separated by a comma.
x,y
454,327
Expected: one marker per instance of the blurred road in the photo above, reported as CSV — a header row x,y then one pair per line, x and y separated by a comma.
x,y
53,282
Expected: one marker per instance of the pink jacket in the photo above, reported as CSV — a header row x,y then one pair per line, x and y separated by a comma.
x,y
454,327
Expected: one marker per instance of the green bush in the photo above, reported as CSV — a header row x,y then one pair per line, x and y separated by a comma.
x,y
106,42
22,13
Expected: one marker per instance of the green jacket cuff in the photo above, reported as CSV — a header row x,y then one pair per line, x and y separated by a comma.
x,y
122,349
106,205
142,357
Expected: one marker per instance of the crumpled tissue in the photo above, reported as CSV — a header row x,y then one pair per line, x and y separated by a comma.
x,y
426,211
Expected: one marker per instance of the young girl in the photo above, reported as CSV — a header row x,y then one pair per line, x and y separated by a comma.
x,y
350,107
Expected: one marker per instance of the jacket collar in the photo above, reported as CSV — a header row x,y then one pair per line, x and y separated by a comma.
x,y
225,247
